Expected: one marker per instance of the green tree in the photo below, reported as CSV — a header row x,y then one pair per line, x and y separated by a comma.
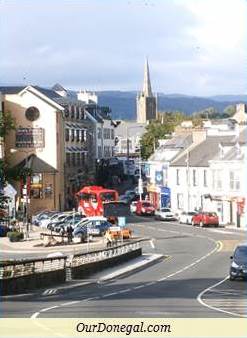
x,y
159,129
229,111
6,124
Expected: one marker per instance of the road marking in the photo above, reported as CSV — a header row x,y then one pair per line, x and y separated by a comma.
x,y
148,283
220,246
70,303
200,300
49,292
49,308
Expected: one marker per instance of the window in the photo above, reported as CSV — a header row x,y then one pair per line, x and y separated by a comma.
x,y
82,114
99,151
72,111
99,133
66,111
107,151
180,201
205,183
78,159
177,177
72,135
77,113
107,133
66,134
194,173
217,179
234,180
73,159
77,135
112,134
112,150
68,159
36,186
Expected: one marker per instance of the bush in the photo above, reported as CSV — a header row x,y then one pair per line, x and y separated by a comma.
x,y
15,236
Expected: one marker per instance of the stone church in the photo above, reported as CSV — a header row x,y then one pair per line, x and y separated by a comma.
x,y
146,101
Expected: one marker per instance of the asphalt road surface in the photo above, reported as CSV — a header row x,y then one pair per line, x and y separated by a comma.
x,y
190,281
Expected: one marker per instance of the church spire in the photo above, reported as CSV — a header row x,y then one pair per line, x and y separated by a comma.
x,y
147,90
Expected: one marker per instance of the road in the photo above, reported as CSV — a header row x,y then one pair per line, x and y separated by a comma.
x,y
191,281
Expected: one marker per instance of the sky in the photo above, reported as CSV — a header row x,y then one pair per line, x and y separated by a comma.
x,y
194,47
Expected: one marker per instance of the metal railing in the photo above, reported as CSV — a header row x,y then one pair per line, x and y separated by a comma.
x,y
100,255
18,268
13,269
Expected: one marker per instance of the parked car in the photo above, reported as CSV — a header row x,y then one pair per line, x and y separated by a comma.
x,y
165,214
47,218
69,220
56,220
4,230
144,208
94,227
133,206
186,217
205,218
238,267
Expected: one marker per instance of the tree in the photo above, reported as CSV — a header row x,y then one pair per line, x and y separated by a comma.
x,y
156,130
6,124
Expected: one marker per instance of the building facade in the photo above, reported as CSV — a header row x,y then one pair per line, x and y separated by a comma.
x,y
36,147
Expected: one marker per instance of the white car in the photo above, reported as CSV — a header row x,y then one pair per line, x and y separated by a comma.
x,y
133,207
186,217
165,214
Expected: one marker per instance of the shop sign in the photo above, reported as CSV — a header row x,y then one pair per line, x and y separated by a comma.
x,y
159,177
30,138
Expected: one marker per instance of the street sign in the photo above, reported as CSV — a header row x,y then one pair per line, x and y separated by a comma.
x,y
122,221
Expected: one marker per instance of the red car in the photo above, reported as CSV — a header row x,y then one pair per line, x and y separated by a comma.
x,y
144,208
205,218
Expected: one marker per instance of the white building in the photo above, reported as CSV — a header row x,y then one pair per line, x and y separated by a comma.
x,y
229,184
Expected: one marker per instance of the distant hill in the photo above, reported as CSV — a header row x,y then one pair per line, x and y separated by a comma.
x,y
123,104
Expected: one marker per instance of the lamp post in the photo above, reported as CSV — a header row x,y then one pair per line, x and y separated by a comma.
x,y
26,197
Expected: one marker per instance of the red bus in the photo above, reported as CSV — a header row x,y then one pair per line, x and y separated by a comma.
x,y
91,199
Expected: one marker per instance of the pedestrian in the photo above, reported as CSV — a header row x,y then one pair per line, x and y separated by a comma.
x,y
69,233
108,238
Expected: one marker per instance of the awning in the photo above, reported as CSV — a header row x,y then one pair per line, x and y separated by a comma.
x,y
36,164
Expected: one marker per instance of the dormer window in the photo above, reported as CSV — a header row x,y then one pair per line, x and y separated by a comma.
x,y
66,111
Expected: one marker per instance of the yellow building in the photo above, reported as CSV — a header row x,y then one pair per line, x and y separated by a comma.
x,y
36,147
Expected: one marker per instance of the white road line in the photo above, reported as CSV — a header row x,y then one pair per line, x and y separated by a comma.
x,y
35,315
110,294
199,299
70,303
49,308
144,285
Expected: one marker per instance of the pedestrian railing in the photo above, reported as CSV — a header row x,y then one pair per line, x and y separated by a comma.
x,y
25,267
99,255
14,269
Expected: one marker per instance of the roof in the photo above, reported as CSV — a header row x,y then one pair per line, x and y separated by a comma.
x,y
36,164
177,143
11,89
202,153
58,87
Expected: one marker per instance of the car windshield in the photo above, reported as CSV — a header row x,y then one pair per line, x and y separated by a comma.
x,y
165,210
241,253
211,214
146,204
191,213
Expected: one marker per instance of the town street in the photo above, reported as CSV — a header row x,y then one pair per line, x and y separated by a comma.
x,y
189,281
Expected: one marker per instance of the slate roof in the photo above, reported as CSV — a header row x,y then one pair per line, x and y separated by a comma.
x,y
36,164
202,153
11,89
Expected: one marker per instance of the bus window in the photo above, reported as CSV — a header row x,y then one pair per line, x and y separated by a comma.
x,y
108,196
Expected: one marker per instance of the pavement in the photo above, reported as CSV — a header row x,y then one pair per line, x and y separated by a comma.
x,y
34,243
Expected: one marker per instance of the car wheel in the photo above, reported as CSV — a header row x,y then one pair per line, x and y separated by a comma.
x,y
216,225
231,278
187,221
201,224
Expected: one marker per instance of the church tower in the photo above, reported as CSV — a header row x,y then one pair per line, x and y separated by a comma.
x,y
145,101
